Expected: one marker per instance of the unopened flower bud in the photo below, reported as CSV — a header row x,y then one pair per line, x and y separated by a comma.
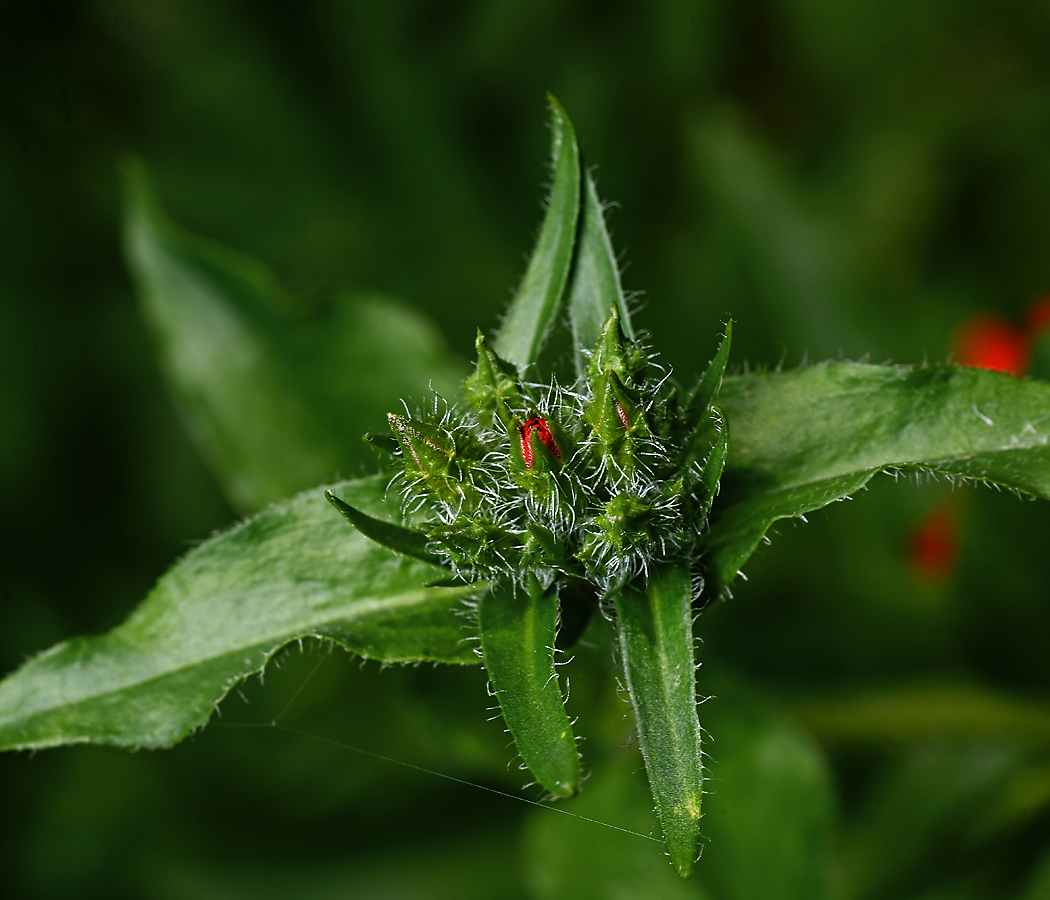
x,y
478,543
545,546
491,389
615,353
624,526
432,457
624,520
607,477
617,421
535,437
538,461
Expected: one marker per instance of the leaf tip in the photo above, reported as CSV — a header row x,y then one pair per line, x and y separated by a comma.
x,y
338,504
565,790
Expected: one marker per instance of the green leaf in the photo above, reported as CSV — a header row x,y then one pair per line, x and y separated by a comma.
x,y
517,628
594,286
656,645
221,613
276,393
703,395
534,309
714,465
807,438
403,540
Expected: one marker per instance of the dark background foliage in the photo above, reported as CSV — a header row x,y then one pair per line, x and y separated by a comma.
x,y
844,179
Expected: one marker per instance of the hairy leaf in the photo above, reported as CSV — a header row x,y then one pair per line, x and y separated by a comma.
x,y
218,616
703,395
517,637
403,540
594,286
740,526
534,309
276,393
804,439
656,644
714,465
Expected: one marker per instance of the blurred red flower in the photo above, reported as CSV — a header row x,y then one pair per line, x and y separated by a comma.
x,y
933,546
988,341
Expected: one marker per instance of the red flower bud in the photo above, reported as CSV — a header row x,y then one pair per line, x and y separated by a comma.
x,y
990,342
933,547
537,425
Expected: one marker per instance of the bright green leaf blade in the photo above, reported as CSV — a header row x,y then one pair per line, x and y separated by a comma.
x,y
656,645
594,286
833,419
395,537
275,394
534,309
704,394
804,439
218,616
517,638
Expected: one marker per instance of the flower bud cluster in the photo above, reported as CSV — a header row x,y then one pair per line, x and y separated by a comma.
x,y
597,480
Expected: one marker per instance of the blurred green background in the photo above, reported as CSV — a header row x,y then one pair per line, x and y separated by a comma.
x,y
844,179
